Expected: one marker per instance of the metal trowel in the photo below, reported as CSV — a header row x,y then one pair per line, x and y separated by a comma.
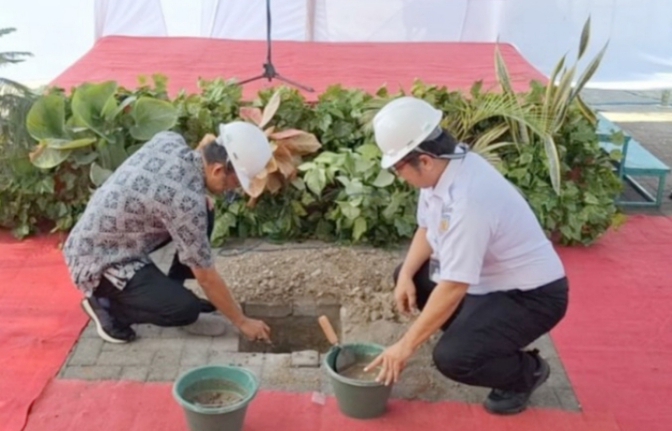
x,y
345,357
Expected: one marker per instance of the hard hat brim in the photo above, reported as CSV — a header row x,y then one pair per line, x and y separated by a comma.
x,y
390,160
243,179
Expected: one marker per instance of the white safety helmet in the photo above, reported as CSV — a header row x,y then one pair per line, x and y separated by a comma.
x,y
248,149
403,124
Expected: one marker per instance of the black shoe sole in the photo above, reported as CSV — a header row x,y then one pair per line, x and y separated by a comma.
x,y
546,374
99,328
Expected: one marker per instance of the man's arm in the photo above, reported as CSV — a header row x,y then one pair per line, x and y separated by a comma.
x,y
418,253
219,294
442,303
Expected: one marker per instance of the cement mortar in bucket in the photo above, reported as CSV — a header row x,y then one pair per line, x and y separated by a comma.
x,y
215,397
358,395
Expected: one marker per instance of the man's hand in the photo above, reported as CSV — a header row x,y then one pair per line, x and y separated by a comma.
x,y
392,362
405,295
255,330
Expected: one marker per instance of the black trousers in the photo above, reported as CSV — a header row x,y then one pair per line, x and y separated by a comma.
x,y
151,296
482,342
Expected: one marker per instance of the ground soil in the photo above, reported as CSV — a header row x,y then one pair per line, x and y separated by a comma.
x,y
359,278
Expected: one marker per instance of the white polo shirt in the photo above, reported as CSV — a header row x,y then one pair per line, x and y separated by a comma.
x,y
483,232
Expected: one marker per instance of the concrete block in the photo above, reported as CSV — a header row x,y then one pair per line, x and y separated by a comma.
x,y
238,359
292,380
567,399
172,332
90,331
147,331
306,359
86,352
261,309
134,373
196,351
170,354
305,307
163,373
92,372
126,357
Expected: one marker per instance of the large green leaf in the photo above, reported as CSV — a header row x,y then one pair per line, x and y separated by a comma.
x,y
502,71
98,174
384,178
47,158
553,162
152,116
89,103
46,118
590,71
316,180
67,144
358,228
585,38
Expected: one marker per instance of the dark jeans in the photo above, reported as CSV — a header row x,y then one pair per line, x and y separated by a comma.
x,y
153,297
482,341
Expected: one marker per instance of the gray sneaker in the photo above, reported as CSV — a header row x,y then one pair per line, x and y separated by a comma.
x,y
106,325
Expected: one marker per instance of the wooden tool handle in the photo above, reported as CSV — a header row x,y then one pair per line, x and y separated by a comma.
x,y
328,329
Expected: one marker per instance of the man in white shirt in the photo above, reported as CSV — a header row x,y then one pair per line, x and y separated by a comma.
x,y
479,267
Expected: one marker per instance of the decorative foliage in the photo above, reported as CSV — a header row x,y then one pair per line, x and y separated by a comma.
x,y
324,180
98,126
288,148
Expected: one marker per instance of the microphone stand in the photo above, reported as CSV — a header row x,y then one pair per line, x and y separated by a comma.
x,y
269,69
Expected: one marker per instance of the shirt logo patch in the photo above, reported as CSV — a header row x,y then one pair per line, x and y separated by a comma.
x,y
444,224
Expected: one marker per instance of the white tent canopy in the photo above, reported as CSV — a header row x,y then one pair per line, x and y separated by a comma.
x,y
639,55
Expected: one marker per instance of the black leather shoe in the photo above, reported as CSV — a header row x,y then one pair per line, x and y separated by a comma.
x,y
107,327
502,402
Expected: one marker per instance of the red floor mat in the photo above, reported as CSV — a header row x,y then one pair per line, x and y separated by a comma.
x,y
40,323
353,65
616,341
127,406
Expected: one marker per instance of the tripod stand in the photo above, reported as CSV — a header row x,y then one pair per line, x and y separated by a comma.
x,y
269,69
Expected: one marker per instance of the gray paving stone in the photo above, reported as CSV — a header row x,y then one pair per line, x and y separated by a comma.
x,y
134,373
92,372
196,351
567,399
292,379
305,359
126,357
163,373
147,331
90,331
170,355
235,358
86,351
172,332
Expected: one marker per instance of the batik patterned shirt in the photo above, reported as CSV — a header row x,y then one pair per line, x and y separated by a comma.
x,y
157,194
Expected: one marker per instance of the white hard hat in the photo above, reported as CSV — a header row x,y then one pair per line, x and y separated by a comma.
x,y
401,125
248,149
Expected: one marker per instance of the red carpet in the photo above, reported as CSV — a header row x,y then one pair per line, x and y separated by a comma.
x,y
616,342
353,65
75,406
40,323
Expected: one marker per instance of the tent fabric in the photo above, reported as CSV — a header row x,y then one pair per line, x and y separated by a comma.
x,y
353,65
543,32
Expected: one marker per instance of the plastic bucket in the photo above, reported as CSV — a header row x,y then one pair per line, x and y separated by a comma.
x,y
228,379
359,399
